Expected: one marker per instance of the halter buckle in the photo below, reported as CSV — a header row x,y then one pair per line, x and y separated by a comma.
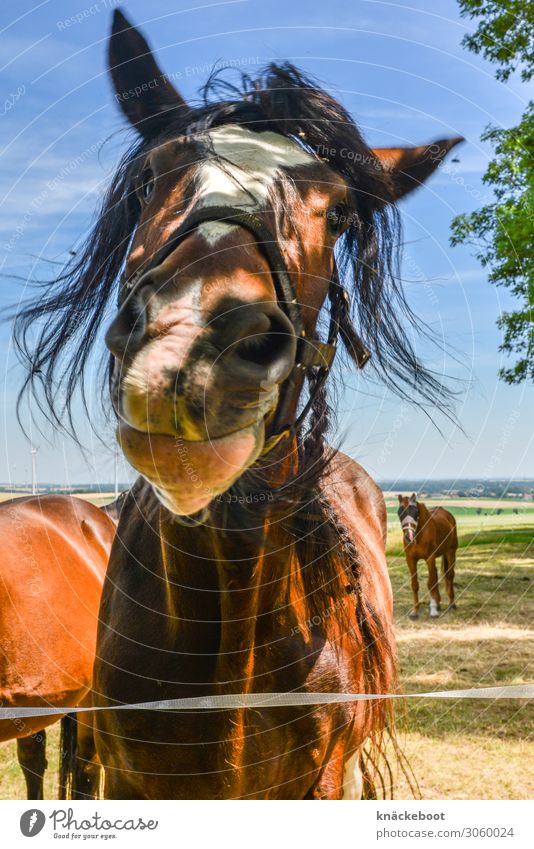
x,y
313,353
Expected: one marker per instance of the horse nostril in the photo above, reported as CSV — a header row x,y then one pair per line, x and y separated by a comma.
x,y
126,334
266,343
264,349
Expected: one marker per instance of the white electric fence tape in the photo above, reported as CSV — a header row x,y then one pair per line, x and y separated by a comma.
x,y
270,700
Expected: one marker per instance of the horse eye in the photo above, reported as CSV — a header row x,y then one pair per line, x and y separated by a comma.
x,y
147,184
336,218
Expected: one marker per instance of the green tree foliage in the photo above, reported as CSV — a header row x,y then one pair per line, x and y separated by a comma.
x,y
502,232
505,34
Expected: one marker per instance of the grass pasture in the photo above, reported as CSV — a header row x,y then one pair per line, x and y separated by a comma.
x,y
471,749
458,749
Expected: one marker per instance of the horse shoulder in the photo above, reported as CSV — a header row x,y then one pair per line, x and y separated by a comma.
x,y
357,494
443,516
359,502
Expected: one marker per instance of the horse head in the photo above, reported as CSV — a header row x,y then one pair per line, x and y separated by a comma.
x,y
408,513
227,228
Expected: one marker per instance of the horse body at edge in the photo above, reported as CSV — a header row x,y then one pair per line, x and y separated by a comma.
x,y
54,558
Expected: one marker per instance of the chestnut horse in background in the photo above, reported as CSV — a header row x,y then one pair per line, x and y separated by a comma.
x,y
428,534
249,556
55,552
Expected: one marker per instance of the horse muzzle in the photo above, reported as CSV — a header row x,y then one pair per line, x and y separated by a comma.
x,y
187,475
193,399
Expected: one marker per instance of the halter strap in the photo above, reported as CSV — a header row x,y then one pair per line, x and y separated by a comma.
x,y
311,353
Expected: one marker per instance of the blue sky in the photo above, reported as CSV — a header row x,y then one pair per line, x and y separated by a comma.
x,y
400,71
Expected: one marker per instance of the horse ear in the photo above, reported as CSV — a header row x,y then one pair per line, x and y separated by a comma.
x,y
409,167
413,498
143,92
400,499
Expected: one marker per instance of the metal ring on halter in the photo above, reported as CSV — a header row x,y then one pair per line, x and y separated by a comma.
x,y
311,353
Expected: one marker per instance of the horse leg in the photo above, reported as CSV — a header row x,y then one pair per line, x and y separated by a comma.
x,y
449,563
31,753
339,776
353,777
86,779
412,566
433,587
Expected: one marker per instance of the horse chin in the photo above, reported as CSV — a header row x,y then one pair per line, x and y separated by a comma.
x,y
187,475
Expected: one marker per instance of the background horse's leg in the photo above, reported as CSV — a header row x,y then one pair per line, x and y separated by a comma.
x,y
412,566
433,586
449,562
31,753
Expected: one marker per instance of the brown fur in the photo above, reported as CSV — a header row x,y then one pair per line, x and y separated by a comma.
x,y
435,536
291,593
54,556
225,617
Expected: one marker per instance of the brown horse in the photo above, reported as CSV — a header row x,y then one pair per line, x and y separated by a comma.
x,y
429,534
55,551
249,557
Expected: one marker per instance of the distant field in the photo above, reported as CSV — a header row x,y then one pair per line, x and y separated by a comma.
x,y
485,503
487,527
94,498
467,749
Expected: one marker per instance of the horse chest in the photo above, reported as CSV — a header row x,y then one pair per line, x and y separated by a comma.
x,y
204,632
276,753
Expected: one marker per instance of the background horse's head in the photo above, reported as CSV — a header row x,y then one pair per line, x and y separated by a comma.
x,y
208,212
408,513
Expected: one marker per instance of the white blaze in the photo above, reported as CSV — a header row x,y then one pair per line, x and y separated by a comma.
x,y
250,164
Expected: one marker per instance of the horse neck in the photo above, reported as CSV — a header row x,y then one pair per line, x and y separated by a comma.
x,y
238,580
424,515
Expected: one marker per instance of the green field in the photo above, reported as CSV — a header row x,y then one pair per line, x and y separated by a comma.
x,y
468,749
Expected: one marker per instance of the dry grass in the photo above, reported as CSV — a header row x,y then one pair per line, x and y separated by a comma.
x,y
470,749
11,781
469,767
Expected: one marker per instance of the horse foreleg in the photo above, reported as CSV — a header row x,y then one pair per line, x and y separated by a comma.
x,y
449,563
412,566
86,779
339,776
433,586
31,753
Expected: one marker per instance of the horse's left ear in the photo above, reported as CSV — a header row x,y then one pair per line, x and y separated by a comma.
x,y
409,167
142,90
413,498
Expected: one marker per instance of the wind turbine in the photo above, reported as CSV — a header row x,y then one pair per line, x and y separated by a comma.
x,y
116,470
33,452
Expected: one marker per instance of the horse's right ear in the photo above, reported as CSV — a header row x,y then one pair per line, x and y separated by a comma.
x,y
409,167
143,92
400,499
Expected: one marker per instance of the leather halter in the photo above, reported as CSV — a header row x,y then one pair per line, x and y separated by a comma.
x,y
311,353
